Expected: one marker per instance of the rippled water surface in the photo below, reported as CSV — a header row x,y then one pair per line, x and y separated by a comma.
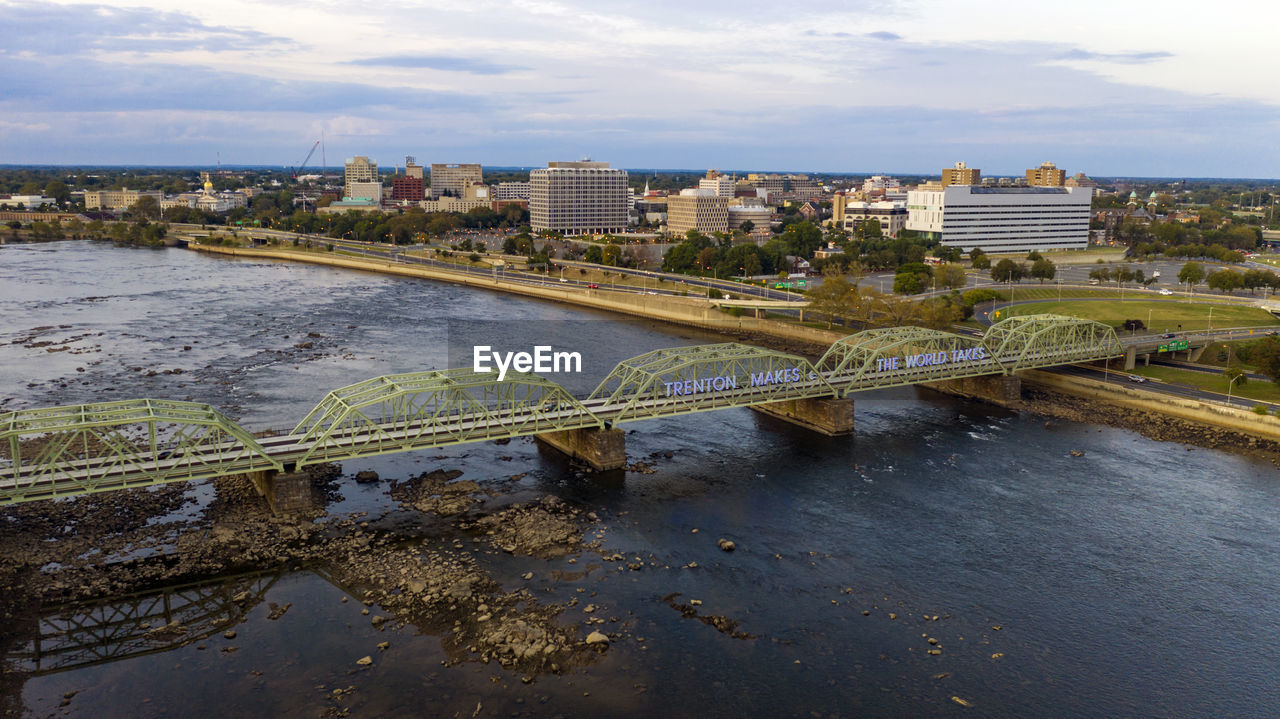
x,y
1137,580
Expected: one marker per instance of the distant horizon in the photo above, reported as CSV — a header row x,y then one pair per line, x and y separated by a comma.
x,y
850,173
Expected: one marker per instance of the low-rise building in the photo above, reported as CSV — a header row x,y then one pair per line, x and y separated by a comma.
x,y
27,201
760,216
1002,219
892,216
115,200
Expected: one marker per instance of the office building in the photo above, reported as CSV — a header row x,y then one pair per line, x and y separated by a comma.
x,y
406,188
961,174
360,169
363,191
1082,180
412,168
578,198
753,210
114,200
880,182
511,191
892,216
1046,175
451,179
722,185
1002,219
697,209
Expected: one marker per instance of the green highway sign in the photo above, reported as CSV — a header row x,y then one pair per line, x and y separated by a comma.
x,y
1172,346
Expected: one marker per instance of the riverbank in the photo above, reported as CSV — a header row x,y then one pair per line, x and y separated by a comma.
x,y
686,311
812,342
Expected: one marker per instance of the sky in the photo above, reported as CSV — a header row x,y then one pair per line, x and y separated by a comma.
x,y
1168,89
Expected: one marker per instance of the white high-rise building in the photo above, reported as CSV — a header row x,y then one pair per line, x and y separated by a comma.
x,y
1002,219
578,198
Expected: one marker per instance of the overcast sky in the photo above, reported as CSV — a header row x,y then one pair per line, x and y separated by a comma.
x,y
1175,89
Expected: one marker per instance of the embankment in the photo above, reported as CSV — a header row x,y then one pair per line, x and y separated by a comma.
x,y
690,311
1152,414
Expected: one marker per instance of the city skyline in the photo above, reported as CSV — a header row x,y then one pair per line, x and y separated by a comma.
x,y
860,87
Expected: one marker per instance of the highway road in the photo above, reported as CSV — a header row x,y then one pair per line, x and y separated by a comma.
x,y
1168,388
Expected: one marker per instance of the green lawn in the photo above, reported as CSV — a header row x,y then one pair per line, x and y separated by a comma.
x,y
1253,389
1161,315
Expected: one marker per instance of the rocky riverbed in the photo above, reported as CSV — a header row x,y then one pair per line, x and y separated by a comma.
x,y
1149,424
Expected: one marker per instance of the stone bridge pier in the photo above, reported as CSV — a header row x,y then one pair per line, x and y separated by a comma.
x,y
603,449
287,493
1001,389
830,416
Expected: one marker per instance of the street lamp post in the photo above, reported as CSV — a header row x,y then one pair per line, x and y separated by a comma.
x,y
1232,384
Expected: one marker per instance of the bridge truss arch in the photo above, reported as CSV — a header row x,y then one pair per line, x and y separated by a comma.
x,y
401,412
897,356
680,380
1027,341
78,449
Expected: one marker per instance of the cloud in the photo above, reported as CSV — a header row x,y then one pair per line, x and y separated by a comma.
x,y
68,85
1128,58
77,29
437,62
884,35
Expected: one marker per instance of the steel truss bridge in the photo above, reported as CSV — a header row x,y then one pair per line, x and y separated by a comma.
x,y
64,451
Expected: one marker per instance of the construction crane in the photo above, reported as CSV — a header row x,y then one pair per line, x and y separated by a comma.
x,y
303,164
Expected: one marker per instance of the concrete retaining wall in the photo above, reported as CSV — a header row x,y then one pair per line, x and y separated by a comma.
x,y
1233,418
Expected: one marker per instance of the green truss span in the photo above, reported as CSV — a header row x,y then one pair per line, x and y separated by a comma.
x,y
695,379
432,409
62,451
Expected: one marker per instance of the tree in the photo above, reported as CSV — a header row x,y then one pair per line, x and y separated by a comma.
x,y
57,189
1235,374
146,207
835,298
1191,273
747,226
1007,270
1265,355
1101,274
1225,280
951,276
908,283
1043,269
979,259
593,255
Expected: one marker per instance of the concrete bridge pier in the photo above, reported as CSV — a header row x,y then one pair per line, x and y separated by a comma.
x,y
1001,389
603,449
286,493
830,416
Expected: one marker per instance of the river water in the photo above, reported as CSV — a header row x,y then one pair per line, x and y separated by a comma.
x,y
1137,580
